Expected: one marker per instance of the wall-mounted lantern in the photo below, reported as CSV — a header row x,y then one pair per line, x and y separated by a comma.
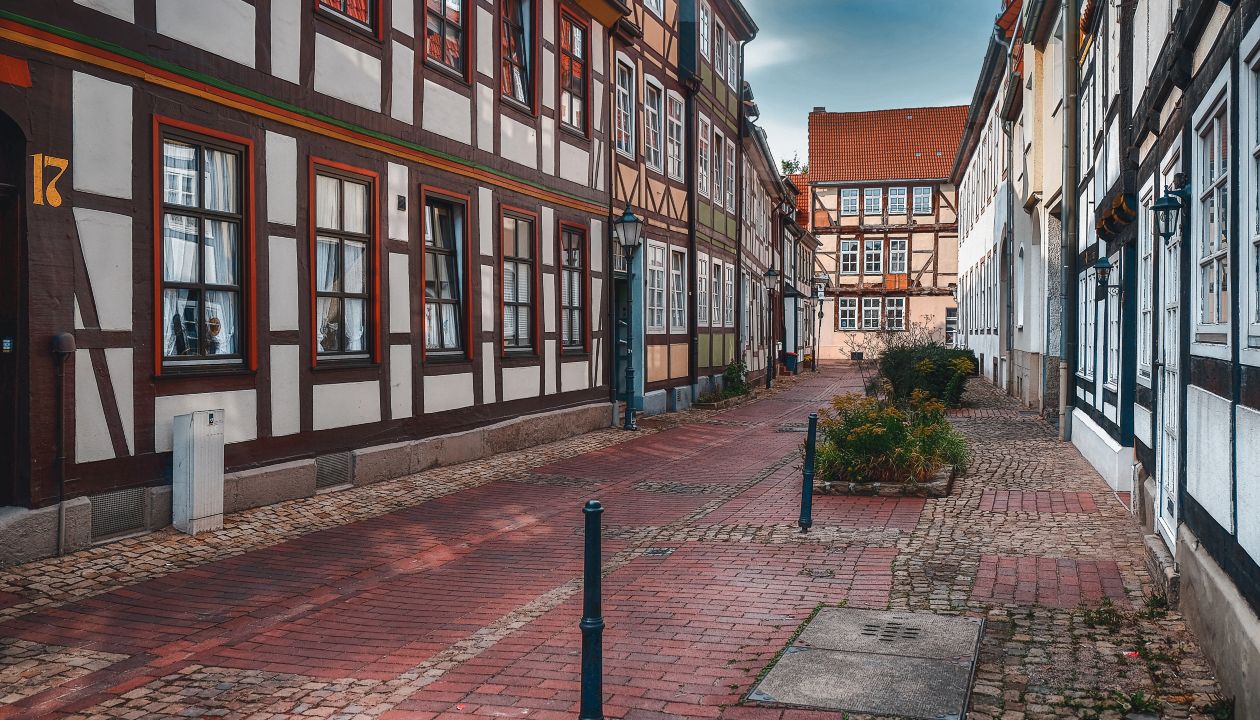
x,y
1168,214
1102,276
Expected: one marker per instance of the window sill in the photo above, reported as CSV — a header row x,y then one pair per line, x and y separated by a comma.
x,y
629,155
575,133
347,26
575,353
447,71
328,364
444,357
180,372
517,106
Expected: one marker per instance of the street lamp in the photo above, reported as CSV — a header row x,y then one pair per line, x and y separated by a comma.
x,y
627,232
821,281
1168,215
1102,273
772,275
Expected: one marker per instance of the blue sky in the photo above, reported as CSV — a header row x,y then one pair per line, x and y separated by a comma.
x,y
861,55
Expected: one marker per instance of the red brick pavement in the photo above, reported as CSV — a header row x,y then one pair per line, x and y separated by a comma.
x,y
1052,582
1038,501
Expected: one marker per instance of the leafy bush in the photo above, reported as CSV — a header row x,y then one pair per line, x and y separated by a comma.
x,y
930,367
863,439
735,379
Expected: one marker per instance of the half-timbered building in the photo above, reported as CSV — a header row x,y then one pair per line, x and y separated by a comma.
x,y
350,225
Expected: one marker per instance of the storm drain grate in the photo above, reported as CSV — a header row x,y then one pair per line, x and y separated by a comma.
x,y
658,552
891,631
117,513
332,470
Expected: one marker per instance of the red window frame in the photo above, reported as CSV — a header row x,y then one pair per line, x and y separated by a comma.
x,y
249,274
573,17
470,340
534,53
586,283
468,28
373,180
535,287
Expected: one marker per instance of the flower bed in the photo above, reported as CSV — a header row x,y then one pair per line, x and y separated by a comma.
x,y
873,447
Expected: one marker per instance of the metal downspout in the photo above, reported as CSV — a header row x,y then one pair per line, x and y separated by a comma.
x,y
1071,208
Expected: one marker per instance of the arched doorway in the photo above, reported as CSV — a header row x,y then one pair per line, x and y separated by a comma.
x,y
13,352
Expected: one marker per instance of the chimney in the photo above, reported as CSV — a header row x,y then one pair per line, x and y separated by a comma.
x,y
819,109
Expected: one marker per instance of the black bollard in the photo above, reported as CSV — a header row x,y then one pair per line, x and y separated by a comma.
x,y
592,619
807,479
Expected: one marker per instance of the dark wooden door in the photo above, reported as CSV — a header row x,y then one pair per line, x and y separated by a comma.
x,y
10,344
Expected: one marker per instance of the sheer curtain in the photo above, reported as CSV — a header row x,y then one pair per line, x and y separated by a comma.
x,y
327,260
220,180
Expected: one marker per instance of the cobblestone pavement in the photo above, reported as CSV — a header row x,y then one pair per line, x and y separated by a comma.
x,y
456,592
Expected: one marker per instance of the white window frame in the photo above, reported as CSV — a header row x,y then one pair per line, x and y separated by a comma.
x,y
702,289
656,6
717,165
1214,106
872,256
676,134
1146,286
704,155
728,299
625,82
849,201
706,31
653,124
895,313
677,291
732,59
926,193
849,254
717,273
1111,376
719,48
655,290
1249,196
898,256
876,194
872,320
1017,290
730,175
847,313
896,201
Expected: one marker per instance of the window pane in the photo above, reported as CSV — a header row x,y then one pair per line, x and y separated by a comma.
x,y
221,330
327,202
328,324
221,184
179,173
356,325
181,322
356,267
179,248
222,240
524,240
327,265
356,208
450,327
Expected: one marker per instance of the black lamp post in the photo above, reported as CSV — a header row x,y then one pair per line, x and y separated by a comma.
x,y
820,293
627,232
772,276
1102,274
1168,214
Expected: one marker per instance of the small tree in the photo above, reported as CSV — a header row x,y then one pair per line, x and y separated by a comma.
x,y
794,166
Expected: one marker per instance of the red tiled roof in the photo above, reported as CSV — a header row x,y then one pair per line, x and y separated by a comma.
x,y
801,181
906,143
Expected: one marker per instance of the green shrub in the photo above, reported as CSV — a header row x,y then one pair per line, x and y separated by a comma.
x,y
931,367
863,439
735,379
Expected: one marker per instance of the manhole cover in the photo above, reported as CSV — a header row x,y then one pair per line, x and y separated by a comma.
x,y
885,663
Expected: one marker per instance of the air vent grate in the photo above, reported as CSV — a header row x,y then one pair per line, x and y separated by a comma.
x,y
117,513
891,631
332,470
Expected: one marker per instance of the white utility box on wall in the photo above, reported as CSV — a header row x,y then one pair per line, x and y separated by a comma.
x,y
197,477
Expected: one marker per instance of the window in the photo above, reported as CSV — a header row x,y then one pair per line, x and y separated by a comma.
x,y
897,256
674,141
517,240
849,201
517,72
896,201
706,30
625,108
1253,268
656,287
572,72
1085,325
702,290
1018,291
874,262
728,308
732,60
716,288
202,272
847,309
702,172
746,311
656,6
443,275
923,201
719,49
343,233
444,33
1214,224
359,13
872,201
1146,284
1113,337
716,166
951,326
730,175
573,288
895,313
848,257
677,291
870,313
653,98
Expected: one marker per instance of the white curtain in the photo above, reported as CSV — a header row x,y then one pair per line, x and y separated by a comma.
x,y
221,242
179,309
354,218
356,325
180,246
327,202
220,179
221,330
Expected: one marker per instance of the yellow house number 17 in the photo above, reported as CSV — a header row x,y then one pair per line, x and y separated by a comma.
x,y
45,191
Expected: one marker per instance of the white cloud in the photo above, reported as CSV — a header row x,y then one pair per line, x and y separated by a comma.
x,y
768,51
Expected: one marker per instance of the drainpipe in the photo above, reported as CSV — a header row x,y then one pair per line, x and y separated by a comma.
x,y
1071,209
690,146
63,347
741,302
